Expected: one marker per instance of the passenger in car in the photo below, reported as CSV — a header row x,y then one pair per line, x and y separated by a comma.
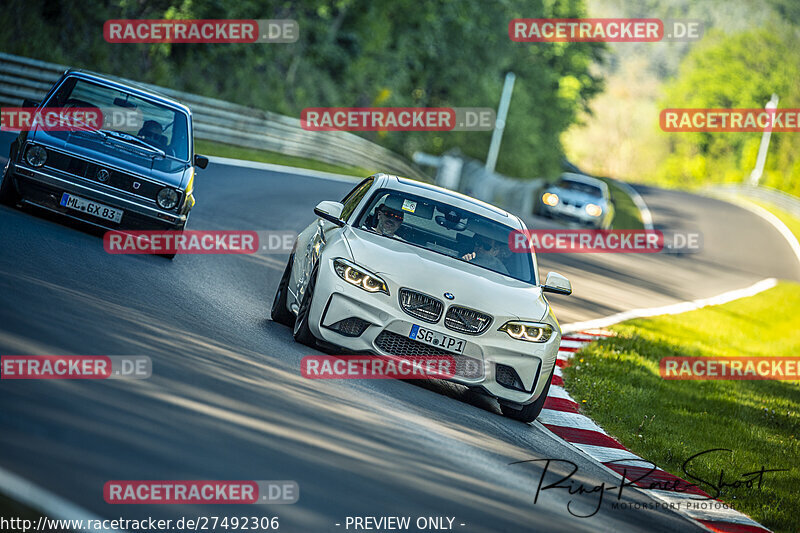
x,y
486,254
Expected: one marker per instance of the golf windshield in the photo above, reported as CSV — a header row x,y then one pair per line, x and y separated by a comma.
x,y
160,127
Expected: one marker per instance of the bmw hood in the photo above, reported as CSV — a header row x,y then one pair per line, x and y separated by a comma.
x,y
405,265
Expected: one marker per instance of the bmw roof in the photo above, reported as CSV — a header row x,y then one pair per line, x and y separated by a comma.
x,y
452,197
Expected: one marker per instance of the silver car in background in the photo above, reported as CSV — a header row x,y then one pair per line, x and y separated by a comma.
x,y
579,199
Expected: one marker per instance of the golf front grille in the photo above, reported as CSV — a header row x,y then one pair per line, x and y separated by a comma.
x,y
465,320
420,305
394,344
109,177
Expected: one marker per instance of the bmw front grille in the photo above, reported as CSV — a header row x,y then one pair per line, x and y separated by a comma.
x,y
420,305
466,320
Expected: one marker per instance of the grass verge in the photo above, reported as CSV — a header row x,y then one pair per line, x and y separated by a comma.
x,y
263,156
627,215
791,221
617,383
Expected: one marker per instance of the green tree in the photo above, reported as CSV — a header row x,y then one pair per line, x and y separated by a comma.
x,y
434,53
736,71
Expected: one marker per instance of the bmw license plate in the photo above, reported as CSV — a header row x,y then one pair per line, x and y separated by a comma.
x,y
92,208
433,338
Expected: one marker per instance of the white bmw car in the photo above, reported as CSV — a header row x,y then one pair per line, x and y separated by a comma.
x,y
403,268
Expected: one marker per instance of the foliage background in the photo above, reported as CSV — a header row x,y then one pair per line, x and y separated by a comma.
x,y
749,51
350,53
597,104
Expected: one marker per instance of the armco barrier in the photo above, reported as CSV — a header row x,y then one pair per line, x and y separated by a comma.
x,y
780,199
220,121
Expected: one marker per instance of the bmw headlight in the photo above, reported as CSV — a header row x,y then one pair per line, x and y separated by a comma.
x,y
528,331
167,198
358,276
593,210
36,156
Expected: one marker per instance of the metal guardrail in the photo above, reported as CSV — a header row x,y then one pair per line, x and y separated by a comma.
x,y
225,122
514,195
780,199
469,176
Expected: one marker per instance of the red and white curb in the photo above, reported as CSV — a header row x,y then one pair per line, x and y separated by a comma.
x,y
561,416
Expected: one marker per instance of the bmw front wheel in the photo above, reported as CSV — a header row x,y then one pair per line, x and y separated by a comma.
x,y
528,413
302,333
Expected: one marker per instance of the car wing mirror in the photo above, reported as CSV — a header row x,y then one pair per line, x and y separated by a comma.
x,y
557,284
27,102
330,211
200,161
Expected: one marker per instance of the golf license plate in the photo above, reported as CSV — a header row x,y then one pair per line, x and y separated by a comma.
x,y
92,208
433,338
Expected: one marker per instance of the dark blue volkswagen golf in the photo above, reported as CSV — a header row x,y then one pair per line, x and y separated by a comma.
x,y
119,178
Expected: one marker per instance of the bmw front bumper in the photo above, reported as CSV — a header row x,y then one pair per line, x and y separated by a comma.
x,y
388,327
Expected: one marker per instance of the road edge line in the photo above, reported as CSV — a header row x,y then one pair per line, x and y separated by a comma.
x,y
672,309
244,163
776,222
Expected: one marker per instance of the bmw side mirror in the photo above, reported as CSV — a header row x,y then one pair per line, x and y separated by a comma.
x,y
557,284
330,211
200,161
27,102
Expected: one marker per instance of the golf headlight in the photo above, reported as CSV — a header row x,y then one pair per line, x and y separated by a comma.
x,y
528,331
593,210
550,199
36,156
361,278
167,198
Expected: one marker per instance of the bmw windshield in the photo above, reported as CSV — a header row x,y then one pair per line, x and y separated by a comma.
x,y
447,230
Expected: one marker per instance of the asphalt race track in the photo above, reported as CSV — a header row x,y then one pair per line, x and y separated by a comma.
x,y
226,400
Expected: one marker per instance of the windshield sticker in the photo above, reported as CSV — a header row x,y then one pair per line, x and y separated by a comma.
x,y
409,205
